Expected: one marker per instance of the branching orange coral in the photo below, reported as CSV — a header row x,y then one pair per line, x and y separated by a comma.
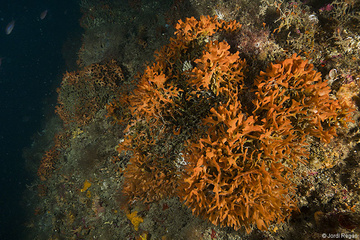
x,y
217,69
227,180
193,133
150,174
294,102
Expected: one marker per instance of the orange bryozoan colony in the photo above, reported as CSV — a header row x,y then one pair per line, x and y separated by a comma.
x,y
81,95
226,149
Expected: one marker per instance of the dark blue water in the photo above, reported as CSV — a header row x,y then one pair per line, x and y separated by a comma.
x,y
31,67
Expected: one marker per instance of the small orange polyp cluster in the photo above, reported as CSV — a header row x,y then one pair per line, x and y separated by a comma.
x,y
238,158
47,164
84,92
51,157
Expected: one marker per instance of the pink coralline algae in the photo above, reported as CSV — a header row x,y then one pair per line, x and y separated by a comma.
x,y
327,8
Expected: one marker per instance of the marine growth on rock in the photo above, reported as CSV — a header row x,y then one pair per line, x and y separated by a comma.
x,y
226,148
